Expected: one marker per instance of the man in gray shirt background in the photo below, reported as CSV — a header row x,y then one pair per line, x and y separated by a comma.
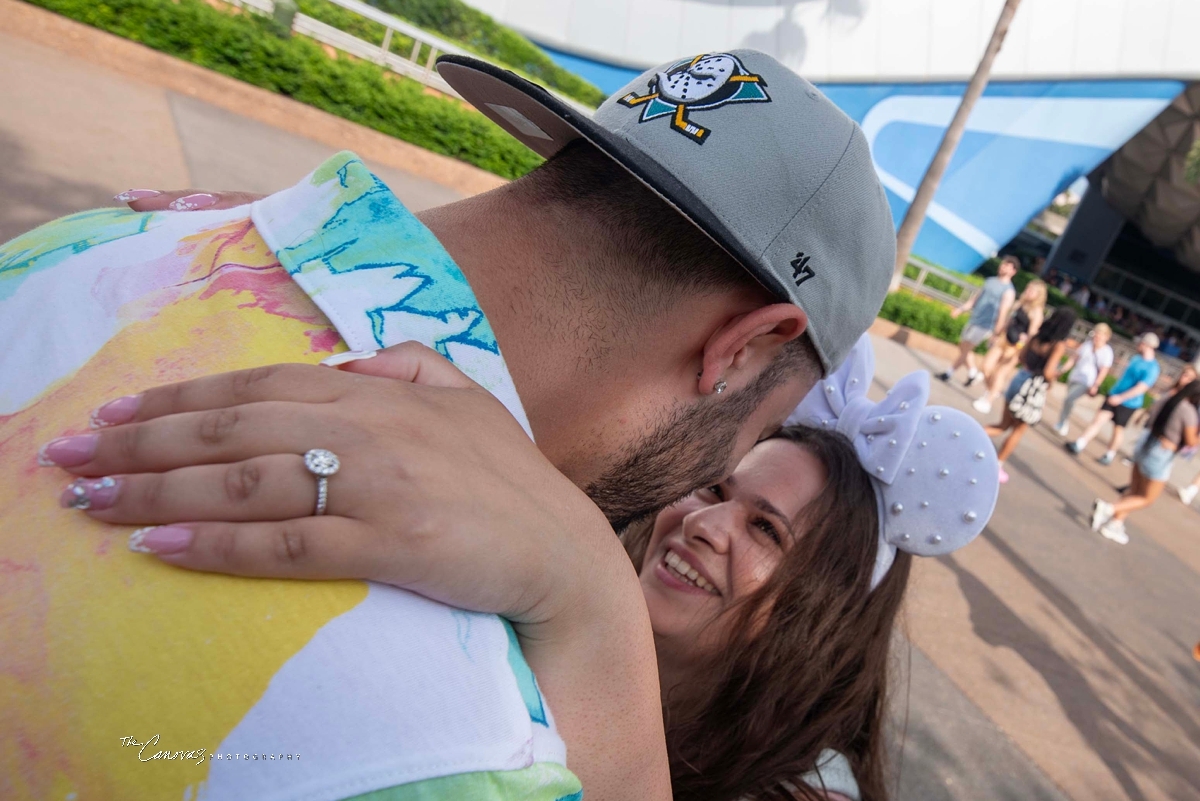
x,y
989,314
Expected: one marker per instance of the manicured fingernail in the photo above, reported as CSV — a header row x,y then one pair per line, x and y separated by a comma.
x,y
90,493
160,539
115,412
349,356
68,451
130,195
192,202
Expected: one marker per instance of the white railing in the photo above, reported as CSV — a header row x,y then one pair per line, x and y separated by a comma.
x,y
423,70
918,286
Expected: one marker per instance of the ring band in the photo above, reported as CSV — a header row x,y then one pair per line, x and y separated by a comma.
x,y
322,464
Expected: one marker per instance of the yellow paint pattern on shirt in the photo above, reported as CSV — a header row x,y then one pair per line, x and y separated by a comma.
x,y
99,643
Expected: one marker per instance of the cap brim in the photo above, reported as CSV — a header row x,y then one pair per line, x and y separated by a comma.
x,y
546,125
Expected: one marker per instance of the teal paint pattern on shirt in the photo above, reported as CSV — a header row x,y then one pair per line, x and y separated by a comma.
x,y
367,230
525,678
47,245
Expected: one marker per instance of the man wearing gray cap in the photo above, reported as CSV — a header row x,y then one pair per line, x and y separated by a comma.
x,y
648,304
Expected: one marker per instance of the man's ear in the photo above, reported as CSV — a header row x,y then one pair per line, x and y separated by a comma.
x,y
744,345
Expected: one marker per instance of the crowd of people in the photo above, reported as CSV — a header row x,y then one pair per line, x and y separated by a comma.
x,y
1172,341
1013,329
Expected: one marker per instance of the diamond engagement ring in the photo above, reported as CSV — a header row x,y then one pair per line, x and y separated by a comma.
x,y
322,464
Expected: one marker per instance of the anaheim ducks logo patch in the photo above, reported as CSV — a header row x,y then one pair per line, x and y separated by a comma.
x,y
705,82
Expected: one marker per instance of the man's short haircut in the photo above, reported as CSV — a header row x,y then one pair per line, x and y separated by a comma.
x,y
1013,260
648,240
657,242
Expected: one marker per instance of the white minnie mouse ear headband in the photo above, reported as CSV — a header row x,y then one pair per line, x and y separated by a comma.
x,y
934,469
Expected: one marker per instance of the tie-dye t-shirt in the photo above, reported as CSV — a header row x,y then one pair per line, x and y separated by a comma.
x,y
256,689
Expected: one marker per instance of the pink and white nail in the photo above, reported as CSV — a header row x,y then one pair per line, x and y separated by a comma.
x,y
68,451
130,195
115,412
90,493
161,540
348,356
199,200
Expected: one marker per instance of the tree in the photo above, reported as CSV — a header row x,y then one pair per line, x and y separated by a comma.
x,y
1192,170
915,215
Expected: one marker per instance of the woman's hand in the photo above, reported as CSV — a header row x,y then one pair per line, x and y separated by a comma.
x,y
440,490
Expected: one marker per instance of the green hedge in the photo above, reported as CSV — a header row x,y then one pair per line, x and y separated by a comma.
x,y
244,46
920,314
480,33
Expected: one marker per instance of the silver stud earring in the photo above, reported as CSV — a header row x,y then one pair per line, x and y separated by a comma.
x,y
719,387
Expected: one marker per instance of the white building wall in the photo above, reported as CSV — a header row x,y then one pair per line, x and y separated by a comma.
x,y
878,40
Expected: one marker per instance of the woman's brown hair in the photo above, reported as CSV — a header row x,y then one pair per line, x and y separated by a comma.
x,y
805,667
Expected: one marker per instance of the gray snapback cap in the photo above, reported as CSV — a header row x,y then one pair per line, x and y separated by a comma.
x,y
748,151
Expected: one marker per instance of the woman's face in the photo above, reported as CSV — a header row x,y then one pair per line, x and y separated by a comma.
x,y
1099,339
720,544
1186,376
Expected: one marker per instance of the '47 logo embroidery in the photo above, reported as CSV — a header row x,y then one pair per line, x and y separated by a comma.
x,y
801,272
705,82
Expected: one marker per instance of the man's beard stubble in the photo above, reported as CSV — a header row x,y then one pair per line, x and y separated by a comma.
x,y
689,449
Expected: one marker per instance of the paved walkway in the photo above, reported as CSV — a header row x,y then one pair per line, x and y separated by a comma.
x,y
1041,663
1050,662
84,115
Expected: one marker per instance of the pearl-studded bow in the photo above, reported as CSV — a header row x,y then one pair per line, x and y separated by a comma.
x,y
935,471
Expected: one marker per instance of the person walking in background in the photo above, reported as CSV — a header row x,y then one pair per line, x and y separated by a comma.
x,y
1026,394
1126,398
1174,423
1022,323
989,311
1186,376
1187,493
1089,366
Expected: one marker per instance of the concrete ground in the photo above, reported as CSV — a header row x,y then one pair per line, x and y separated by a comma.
x,y
1049,662
72,136
1040,662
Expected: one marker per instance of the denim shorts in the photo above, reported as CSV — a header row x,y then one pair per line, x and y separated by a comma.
x,y
1014,386
1152,459
974,334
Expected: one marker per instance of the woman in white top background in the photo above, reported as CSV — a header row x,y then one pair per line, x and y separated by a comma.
x,y
1089,366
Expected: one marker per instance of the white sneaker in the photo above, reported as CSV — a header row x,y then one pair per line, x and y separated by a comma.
x,y
1115,531
1188,494
1102,512
982,405
1063,430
